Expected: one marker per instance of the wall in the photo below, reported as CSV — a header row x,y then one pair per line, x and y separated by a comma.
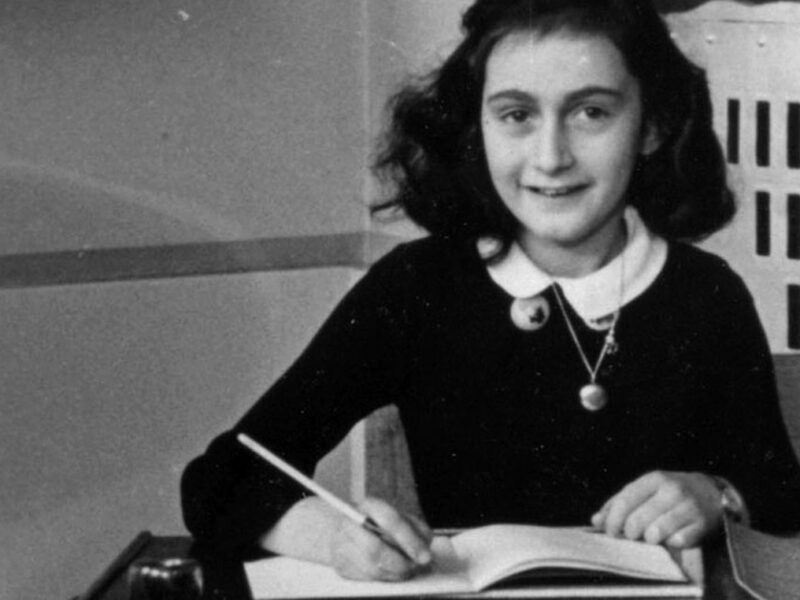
x,y
225,119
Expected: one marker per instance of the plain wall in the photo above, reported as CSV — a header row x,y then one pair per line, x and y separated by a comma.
x,y
233,119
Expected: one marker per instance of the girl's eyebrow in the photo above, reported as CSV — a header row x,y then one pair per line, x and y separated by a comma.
x,y
511,94
522,96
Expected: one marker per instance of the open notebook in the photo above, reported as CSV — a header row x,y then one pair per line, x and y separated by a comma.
x,y
544,562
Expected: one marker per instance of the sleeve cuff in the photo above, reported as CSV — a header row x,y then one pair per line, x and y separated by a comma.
x,y
731,500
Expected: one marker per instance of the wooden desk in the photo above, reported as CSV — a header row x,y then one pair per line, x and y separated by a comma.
x,y
225,578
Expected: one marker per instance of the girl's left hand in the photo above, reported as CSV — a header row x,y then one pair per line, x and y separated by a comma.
x,y
676,509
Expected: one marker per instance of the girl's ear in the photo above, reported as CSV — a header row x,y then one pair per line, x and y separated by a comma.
x,y
651,139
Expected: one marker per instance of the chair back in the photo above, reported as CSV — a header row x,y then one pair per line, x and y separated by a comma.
x,y
787,372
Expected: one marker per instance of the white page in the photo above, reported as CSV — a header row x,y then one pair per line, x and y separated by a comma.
x,y
496,551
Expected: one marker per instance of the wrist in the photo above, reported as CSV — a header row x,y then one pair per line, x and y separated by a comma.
x,y
305,531
731,501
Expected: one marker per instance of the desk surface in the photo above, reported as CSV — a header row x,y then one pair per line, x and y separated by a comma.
x,y
225,580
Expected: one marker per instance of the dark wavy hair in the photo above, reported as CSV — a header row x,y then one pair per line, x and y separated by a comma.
x,y
433,155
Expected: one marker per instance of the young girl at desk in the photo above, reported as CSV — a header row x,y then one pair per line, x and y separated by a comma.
x,y
557,352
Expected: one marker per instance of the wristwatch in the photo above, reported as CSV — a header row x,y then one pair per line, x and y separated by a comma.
x,y
730,499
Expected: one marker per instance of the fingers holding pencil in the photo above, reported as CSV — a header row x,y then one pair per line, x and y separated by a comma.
x,y
396,549
410,533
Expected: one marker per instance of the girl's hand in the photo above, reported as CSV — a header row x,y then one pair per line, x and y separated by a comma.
x,y
356,553
676,509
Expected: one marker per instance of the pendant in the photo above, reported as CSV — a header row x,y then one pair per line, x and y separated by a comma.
x,y
530,314
593,397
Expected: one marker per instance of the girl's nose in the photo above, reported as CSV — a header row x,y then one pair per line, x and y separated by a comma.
x,y
550,151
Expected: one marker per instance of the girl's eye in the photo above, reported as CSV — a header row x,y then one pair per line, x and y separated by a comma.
x,y
592,114
516,116
595,112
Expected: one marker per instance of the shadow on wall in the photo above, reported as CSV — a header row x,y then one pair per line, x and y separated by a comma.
x,y
47,210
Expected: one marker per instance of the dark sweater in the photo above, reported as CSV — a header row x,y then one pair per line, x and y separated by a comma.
x,y
492,417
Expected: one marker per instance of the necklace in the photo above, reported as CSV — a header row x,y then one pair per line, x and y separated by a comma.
x,y
594,396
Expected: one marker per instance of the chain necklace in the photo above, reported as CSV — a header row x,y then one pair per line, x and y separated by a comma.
x,y
594,396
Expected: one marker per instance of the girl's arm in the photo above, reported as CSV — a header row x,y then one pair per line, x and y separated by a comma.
x,y
232,498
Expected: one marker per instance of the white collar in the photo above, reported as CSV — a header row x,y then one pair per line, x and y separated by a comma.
x,y
595,296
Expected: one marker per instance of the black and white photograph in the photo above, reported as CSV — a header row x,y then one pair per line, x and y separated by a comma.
x,y
399,298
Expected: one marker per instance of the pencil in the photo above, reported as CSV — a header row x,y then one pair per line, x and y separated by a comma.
x,y
331,499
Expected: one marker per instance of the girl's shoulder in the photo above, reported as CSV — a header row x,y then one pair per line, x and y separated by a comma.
x,y
701,271
696,261
423,277
430,257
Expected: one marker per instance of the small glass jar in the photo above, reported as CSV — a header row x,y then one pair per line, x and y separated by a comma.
x,y
165,579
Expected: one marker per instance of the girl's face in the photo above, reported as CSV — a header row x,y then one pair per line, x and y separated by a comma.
x,y
562,127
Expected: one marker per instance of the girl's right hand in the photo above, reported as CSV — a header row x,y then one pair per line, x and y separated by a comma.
x,y
356,553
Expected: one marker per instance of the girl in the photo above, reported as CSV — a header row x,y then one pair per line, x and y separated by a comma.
x,y
557,352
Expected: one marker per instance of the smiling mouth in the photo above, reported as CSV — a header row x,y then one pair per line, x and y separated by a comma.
x,y
556,192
